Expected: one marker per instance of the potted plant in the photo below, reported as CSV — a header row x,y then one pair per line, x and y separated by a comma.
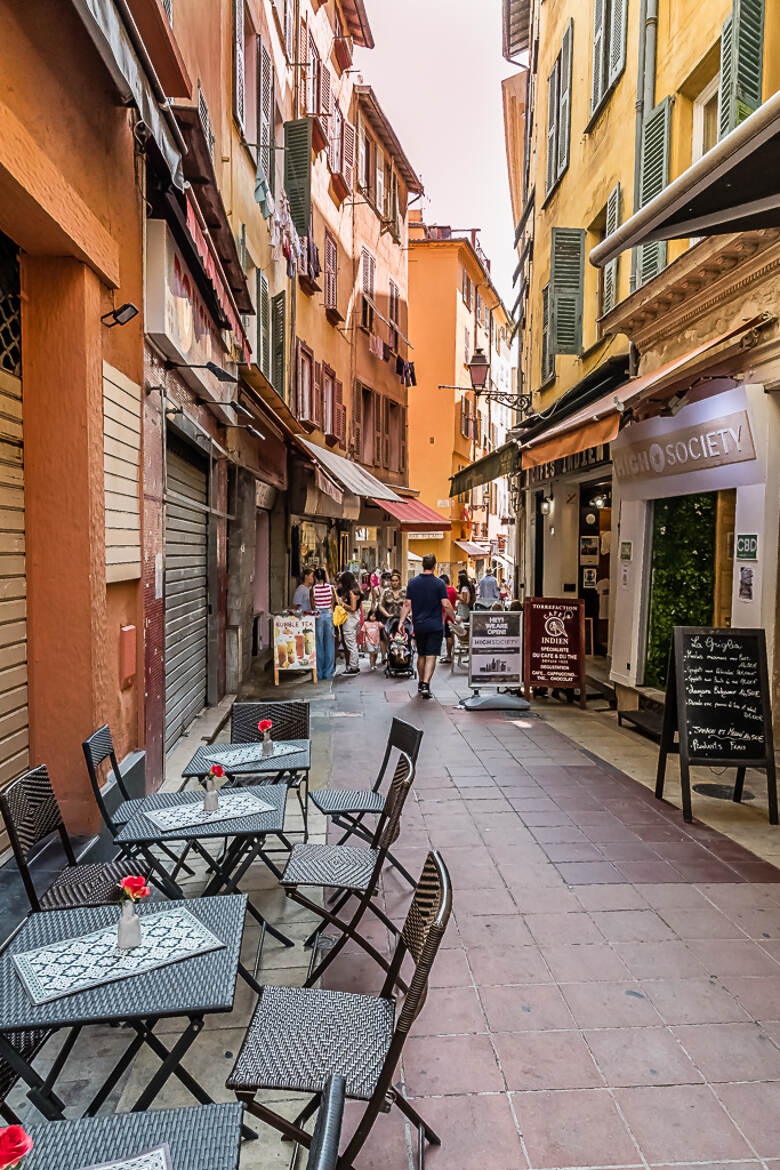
x,y
131,890
15,1144
264,727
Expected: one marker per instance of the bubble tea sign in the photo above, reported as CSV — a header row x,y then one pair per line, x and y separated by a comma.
x,y
295,646
554,639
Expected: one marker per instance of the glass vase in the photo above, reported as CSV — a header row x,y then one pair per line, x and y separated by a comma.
x,y
268,745
128,928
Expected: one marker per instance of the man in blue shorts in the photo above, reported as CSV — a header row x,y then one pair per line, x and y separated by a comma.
x,y
426,596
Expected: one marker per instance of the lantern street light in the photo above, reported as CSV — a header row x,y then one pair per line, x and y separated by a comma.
x,y
478,368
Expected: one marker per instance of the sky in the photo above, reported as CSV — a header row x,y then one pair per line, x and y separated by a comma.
x,y
437,71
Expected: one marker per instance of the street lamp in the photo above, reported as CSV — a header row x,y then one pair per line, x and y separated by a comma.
x,y
478,368
220,374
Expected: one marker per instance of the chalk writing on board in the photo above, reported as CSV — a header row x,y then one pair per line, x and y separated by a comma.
x,y
723,698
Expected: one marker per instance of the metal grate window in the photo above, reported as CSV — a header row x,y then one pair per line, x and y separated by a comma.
x,y
10,309
205,121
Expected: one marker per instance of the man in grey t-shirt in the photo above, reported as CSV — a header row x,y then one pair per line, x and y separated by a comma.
x,y
302,597
488,590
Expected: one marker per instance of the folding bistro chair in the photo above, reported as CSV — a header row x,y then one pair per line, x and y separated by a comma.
x,y
299,1037
324,1151
27,1044
31,813
348,807
290,720
353,872
98,748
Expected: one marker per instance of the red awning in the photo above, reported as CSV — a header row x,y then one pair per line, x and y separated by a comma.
x,y
414,516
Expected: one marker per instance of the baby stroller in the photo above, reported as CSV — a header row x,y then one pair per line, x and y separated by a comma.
x,y
400,649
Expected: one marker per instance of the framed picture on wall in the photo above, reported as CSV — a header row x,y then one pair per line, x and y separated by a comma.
x,y
589,578
589,550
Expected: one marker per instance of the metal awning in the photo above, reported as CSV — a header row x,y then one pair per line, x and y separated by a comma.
x,y
474,550
113,42
735,187
599,422
503,461
350,475
415,516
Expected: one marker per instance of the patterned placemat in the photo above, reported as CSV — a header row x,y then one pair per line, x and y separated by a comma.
x,y
252,753
74,964
156,1159
232,805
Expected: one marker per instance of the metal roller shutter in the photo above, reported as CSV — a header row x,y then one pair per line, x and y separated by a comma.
x,y
186,594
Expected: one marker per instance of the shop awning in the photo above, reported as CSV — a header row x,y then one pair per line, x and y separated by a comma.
x,y
415,516
115,47
472,549
351,476
735,187
503,461
599,422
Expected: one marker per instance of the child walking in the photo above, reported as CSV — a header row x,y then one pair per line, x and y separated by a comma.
x,y
372,632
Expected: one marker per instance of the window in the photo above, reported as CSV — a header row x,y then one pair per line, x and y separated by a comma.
x,y
331,270
466,289
478,308
380,184
467,346
393,436
741,64
266,127
368,287
609,49
705,120
394,313
328,401
304,399
336,139
559,111
367,165
313,78
278,343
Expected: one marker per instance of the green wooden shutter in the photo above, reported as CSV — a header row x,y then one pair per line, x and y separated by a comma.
x,y
609,287
653,177
297,172
552,125
278,325
564,98
598,81
742,57
263,324
618,15
567,274
548,355
265,104
239,70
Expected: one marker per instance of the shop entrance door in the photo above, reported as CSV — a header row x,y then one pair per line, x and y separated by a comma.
x,y
539,546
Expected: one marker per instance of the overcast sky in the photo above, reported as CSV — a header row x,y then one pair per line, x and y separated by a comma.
x,y
437,70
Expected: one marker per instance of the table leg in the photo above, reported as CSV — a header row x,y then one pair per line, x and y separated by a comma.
x,y
124,1062
226,883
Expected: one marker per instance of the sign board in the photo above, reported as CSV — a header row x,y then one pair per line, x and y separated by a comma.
x,y
747,547
718,705
554,639
426,535
495,655
295,645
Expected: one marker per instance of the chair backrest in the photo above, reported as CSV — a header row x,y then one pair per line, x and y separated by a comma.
x,y
98,748
421,935
31,813
403,737
290,720
389,824
324,1149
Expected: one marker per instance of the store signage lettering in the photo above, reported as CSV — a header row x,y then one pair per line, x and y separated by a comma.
x,y
713,443
747,547
426,535
592,457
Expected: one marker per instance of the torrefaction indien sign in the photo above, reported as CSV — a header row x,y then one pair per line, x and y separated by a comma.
x,y
554,635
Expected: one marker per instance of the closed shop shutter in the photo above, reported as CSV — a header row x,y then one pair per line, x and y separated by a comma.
x,y
186,594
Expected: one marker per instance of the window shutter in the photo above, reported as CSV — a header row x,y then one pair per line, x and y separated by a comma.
x,y
348,154
239,72
325,92
331,272
567,272
341,416
597,80
653,177
319,398
380,182
464,417
311,88
618,16
548,354
357,421
552,125
386,432
378,411
564,101
263,324
265,121
609,281
297,172
278,324
726,81
404,436
289,28
742,57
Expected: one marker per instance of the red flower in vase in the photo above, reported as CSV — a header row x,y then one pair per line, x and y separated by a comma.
x,y
265,725
133,888
217,770
14,1145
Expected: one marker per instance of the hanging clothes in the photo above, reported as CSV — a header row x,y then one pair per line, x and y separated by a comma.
x,y
263,196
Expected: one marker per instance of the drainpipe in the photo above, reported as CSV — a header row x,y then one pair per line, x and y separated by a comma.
x,y
651,42
639,107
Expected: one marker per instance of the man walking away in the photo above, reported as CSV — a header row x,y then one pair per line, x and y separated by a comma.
x,y
488,590
426,597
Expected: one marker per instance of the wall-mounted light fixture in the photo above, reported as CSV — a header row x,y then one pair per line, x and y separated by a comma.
x,y
245,427
220,374
241,409
120,316
546,506
599,502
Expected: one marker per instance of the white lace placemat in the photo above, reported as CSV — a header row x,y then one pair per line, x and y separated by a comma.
x,y
74,964
251,754
156,1159
232,806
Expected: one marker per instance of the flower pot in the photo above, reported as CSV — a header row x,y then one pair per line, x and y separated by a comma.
x,y
268,746
128,928
211,799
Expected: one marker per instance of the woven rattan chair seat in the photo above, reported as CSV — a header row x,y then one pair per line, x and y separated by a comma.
x,y
332,801
87,885
330,865
298,1037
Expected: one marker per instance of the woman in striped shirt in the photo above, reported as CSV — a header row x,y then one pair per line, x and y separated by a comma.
x,y
323,598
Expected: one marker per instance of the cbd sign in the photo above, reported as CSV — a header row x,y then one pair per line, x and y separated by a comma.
x,y
747,547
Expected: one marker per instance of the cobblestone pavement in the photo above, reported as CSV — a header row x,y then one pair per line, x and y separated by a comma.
x,y
608,993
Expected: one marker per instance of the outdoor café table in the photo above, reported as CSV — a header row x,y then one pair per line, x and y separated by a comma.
x,y
191,988
207,1137
247,833
291,766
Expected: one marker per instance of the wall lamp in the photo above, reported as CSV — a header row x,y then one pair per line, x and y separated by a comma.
x,y
546,506
241,409
245,427
599,502
120,316
220,374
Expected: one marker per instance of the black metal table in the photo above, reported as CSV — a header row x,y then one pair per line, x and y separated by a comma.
x,y
293,768
192,988
207,1137
247,842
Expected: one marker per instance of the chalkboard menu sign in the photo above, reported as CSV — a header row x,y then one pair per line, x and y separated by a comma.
x,y
717,703
554,640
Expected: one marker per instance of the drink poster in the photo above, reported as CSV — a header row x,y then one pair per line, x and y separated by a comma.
x,y
554,638
295,646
